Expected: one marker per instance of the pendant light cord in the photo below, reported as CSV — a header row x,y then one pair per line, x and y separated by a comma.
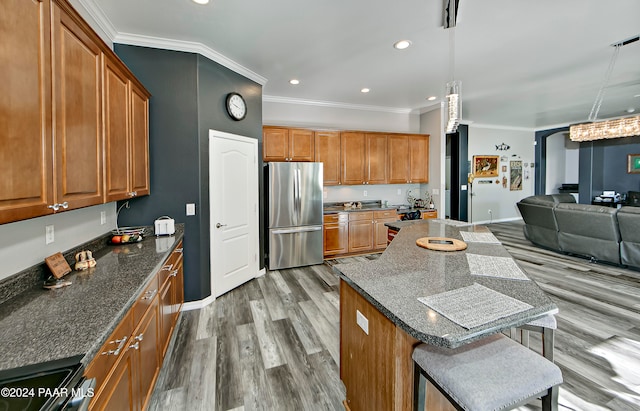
x,y
600,97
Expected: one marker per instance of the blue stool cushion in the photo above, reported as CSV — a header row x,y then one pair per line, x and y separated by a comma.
x,y
488,374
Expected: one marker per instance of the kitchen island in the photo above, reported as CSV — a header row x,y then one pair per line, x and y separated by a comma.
x,y
381,318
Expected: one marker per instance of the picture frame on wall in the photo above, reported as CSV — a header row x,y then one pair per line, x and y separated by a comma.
x,y
485,166
516,175
633,164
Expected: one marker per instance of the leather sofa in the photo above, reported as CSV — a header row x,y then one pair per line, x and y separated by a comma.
x,y
602,233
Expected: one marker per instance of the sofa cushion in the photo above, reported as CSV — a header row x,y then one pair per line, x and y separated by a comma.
x,y
629,223
589,230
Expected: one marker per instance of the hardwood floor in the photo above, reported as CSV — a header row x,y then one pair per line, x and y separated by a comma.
x,y
273,343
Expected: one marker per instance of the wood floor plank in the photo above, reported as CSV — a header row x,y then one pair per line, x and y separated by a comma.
x,y
201,390
254,378
328,333
272,298
269,348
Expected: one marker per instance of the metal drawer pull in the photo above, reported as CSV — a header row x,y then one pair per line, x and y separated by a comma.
x,y
149,295
139,337
167,267
120,343
173,273
178,250
135,346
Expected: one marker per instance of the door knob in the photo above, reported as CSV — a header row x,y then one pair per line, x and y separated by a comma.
x,y
220,225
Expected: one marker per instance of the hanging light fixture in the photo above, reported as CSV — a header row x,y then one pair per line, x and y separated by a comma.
x,y
598,130
453,87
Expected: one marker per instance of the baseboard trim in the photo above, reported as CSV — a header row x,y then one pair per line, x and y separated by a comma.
x,y
501,220
198,304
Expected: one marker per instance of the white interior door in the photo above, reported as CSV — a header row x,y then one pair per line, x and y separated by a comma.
x,y
233,180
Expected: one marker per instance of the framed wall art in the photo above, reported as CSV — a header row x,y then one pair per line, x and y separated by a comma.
x,y
485,166
633,163
516,175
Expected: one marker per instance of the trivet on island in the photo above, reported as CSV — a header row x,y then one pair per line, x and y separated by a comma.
x,y
441,244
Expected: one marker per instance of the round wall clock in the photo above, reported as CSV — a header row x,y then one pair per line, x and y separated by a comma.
x,y
236,106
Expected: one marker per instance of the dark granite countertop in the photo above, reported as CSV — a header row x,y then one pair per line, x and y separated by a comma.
x,y
41,325
404,272
330,208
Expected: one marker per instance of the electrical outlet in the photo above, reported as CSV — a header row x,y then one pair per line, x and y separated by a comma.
x,y
399,192
365,193
49,235
362,322
103,217
191,209
490,212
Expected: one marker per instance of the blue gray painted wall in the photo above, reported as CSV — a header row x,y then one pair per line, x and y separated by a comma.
x,y
188,97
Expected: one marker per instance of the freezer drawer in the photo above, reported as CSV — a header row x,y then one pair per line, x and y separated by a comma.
x,y
295,247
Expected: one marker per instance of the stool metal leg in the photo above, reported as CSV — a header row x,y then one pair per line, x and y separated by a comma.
x,y
547,343
550,400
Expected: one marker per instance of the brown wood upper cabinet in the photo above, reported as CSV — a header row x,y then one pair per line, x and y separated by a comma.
x,y
408,159
126,132
287,144
364,158
53,90
26,159
328,153
77,77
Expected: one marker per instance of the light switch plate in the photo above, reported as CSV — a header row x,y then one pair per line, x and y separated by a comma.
x,y
362,322
191,209
463,187
49,236
103,217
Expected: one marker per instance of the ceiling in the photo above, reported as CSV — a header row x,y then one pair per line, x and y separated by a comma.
x,y
533,64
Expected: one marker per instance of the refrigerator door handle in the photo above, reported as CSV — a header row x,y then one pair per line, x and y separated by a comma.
x,y
298,199
296,230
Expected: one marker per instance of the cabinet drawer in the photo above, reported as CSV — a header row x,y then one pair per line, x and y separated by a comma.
x,y
145,300
336,218
361,215
385,214
111,350
170,265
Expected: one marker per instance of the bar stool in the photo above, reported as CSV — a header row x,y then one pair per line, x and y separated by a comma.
x,y
546,326
487,374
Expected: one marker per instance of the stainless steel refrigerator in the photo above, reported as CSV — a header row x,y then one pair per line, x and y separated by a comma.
x,y
295,214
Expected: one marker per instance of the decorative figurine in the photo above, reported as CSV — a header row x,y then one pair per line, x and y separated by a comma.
x,y
84,260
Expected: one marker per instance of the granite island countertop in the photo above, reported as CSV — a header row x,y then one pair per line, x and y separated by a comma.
x,y
404,272
41,325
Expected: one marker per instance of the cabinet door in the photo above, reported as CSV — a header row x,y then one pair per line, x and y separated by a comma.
x,y
139,140
275,144
360,235
166,315
336,238
77,107
419,159
301,145
353,150
116,131
328,153
381,231
177,278
398,159
376,159
148,353
26,186
121,391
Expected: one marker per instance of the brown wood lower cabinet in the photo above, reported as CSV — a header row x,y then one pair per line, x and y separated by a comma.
x,y
356,232
127,366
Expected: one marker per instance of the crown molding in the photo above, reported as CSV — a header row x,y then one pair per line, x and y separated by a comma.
x,y
332,104
100,18
498,127
190,47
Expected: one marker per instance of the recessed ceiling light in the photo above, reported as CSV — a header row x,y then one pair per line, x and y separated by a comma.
x,y
402,44
294,81
431,98
365,90
201,1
